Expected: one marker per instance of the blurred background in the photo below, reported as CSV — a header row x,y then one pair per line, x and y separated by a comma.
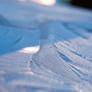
x,y
80,3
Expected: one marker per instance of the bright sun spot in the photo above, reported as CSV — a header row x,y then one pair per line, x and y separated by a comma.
x,y
30,50
46,2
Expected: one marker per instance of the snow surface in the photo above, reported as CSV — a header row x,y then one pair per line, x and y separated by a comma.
x,y
62,39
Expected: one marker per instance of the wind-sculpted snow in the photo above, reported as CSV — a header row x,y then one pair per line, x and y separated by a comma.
x,y
61,38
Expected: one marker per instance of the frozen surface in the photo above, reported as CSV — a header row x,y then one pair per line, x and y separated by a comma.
x,y
45,49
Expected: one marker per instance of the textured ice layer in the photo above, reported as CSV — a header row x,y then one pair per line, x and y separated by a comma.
x,y
61,39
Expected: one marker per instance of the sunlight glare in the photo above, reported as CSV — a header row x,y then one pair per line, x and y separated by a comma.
x,y
30,50
46,2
